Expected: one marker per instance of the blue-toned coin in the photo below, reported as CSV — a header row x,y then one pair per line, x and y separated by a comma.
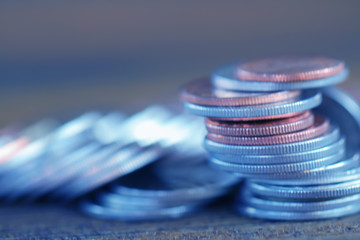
x,y
296,216
144,195
283,158
340,108
321,174
321,191
99,211
276,168
145,189
224,77
332,136
296,206
342,171
308,100
193,172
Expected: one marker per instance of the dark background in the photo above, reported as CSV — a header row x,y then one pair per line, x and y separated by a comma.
x,y
69,56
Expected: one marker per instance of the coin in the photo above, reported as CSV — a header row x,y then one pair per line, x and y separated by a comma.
x,y
296,216
320,127
99,211
336,177
308,100
201,92
289,69
263,118
126,160
322,152
261,128
148,194
316,174
297,206
162,190
225,78
332,190
303,146
276,147
269,169
345,112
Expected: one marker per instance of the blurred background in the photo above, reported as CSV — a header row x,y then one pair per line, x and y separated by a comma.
x,y
61,57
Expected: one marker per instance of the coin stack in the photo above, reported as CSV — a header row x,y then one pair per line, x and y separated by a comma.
x,y
265,123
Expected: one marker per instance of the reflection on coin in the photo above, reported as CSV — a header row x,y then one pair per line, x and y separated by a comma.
x,y
308,100
261,128
320,127
288,69
330,137
225,78
201,92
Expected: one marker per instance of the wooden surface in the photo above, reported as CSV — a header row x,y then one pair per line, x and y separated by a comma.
x,y
216,222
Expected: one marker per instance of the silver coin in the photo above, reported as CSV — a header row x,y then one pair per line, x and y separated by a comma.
x,y
283,158
143,188
298,206
317,174
302,146
296,216
306,192
345,112
99,211
309,99
224,77
277,168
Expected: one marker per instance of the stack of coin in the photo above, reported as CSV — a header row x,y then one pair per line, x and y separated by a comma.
x,y
262,123
324,192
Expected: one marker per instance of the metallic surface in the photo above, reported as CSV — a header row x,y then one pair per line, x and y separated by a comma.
x,y
201,92
298,216
277,168
320,127
322,152
224,78
333,190
289,69
261,128
302,146
262,118
309,100
297,206
317,173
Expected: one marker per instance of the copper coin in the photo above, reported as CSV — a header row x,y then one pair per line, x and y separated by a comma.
x,y
289,69
201,92
261,128
320,127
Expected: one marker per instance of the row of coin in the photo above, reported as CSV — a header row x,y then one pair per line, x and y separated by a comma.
x,y
264,135
174,187
64,162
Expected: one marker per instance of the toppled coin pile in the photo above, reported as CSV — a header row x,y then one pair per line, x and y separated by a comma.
x,y
276,123
94,160
170,189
